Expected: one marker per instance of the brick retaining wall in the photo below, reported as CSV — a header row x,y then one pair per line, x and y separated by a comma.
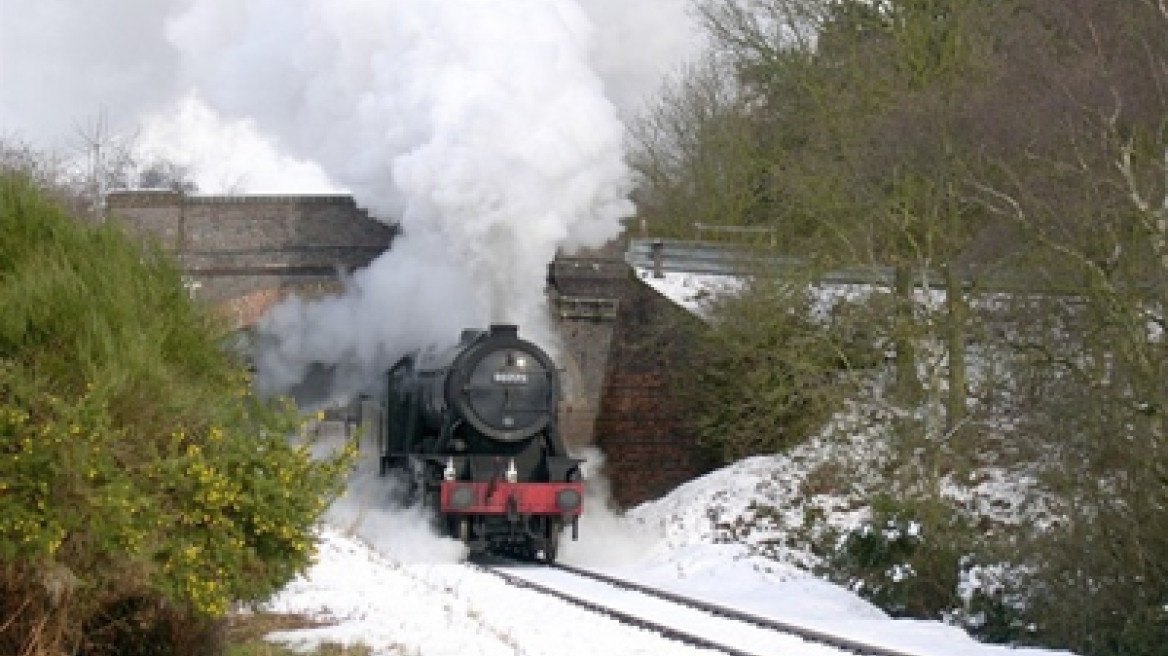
x,y
642,427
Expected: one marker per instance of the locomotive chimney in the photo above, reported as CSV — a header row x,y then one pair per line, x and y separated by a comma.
x,y
504,330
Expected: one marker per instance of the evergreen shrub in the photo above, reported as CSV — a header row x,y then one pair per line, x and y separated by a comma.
x,y
906,558
763,375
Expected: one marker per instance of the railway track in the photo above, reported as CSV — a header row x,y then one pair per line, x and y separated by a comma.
x,y
707,625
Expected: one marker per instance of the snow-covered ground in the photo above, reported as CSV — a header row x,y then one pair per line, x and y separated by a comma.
x,y
383,580
731,537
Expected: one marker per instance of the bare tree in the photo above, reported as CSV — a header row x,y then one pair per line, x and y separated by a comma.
x,y
1078,166
697,155
108,160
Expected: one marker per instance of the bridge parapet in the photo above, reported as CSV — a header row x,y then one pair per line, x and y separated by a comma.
x,y
233,246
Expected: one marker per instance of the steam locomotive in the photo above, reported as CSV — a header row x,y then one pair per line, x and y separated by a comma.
x,y
472,431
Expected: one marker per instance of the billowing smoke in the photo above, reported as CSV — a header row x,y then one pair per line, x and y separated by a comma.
x,y
411,295
484,126
478,125
639,44
372,509
113,57
225,156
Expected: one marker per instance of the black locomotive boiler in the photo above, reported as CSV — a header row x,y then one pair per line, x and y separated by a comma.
x,y
472,430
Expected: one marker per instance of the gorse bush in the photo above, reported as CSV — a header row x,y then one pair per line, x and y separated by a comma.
x,y
141,485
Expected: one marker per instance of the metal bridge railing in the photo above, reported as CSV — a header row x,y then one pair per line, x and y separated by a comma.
x,y
683,256
700,257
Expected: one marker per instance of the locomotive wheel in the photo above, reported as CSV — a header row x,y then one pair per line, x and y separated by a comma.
x,y
551,547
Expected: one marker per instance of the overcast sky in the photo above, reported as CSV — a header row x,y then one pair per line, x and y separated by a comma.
x,y
65,64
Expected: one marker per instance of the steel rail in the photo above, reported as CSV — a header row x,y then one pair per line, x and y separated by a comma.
x,y
619,615
811,635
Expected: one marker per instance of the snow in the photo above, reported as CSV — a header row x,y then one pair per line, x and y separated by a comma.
x,y
399,605
689,290
382,579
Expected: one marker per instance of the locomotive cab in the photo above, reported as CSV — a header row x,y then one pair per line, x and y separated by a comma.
x,y
472,429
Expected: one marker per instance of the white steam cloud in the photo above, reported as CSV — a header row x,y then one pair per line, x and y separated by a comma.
x,y
489,126
226,156
639,44
371,509
411,295
477,124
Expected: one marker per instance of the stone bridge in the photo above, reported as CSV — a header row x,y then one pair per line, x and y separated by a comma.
x,y
243,254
